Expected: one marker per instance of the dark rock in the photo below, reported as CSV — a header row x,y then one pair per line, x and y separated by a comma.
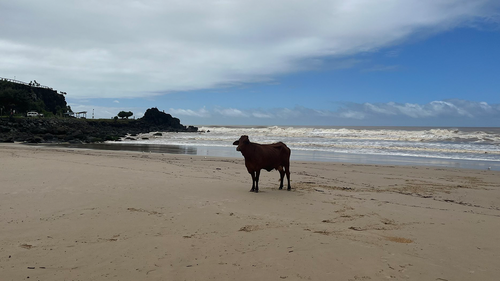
x,y
4,129
48,137
7,139
87,130
156,117
78,134
35,139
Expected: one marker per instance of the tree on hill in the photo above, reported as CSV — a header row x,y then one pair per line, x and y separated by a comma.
x,y
125,114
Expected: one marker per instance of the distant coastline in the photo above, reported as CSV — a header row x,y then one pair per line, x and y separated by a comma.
x,y
80,130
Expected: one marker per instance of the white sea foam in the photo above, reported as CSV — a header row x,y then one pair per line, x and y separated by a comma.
x,y
448,143
367,134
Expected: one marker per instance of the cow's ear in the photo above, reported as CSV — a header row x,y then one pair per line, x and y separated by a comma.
x,y
236,142
245,139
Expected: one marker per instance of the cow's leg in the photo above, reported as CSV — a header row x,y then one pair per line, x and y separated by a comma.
x,y
282,175
253,181
287,171
257,175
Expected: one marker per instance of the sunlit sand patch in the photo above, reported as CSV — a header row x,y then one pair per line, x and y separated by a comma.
x,y
144,211
398,239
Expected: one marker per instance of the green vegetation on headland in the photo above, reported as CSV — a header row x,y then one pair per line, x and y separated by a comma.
x,y
18,99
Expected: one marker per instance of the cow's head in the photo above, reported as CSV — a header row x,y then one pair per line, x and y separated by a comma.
x,y
241,142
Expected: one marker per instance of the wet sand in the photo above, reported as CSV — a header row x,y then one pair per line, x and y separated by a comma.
x,y
70,214
297,155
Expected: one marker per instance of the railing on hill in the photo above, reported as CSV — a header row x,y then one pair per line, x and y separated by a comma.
x,y
27,84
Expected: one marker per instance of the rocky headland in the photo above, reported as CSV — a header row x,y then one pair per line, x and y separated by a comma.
x,y
73,130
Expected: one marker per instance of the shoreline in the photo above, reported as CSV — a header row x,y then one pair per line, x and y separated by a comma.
x,y
93,214
297,155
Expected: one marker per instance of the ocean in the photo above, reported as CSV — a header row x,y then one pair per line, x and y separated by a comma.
x,y
474,148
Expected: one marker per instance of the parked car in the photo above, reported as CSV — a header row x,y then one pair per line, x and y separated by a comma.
x,y
34,114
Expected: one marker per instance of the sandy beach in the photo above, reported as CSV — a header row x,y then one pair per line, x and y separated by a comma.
x,y
69,214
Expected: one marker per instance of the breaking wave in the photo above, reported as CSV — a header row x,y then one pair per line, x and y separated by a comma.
x,y
445,143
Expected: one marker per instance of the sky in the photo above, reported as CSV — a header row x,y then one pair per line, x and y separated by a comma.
x,y
255,62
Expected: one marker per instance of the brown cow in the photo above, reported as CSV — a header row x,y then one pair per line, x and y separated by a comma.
x,y
264,156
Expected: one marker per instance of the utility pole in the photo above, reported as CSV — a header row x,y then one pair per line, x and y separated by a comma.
x,y
92,113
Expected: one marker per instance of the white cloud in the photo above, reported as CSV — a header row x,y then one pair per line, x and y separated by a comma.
x,y
379,109
116,101
202,112
350,114
231,112
286,113
455,112
259,114
134,48
434,109
443,107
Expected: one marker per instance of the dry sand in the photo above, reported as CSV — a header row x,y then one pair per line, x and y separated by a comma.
x,y
101,215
